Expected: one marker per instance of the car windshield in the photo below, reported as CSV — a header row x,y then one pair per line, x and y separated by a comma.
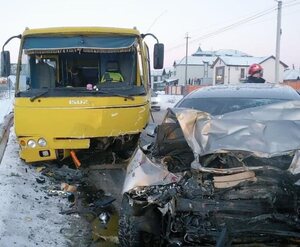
x,y
218,106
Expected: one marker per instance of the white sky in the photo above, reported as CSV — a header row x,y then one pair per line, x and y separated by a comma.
x,y
169,20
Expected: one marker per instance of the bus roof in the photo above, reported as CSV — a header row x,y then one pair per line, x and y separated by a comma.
x,y
80,30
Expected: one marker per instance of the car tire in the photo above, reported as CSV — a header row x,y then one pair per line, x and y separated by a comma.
x,y
129,235
130,232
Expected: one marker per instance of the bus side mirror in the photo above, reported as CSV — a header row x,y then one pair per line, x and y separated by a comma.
x,y
5,63
158,56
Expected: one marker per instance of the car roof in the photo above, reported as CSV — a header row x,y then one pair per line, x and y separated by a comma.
x,y
246,90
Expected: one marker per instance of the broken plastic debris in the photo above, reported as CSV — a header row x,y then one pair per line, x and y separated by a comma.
x,y
68,187
40,168
228,181
104,201
40,180
104,217
58,193
71,197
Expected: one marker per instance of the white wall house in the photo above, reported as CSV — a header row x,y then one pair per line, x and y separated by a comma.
x,y
156,75
199,66
291,75
199,70
232,70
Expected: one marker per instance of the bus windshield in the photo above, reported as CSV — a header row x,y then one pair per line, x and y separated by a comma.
x,y
79,63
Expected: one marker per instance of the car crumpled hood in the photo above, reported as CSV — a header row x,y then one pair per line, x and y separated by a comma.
x,y
263,132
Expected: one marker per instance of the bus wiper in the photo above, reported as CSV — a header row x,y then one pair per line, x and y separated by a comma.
x,y
125,96
33,98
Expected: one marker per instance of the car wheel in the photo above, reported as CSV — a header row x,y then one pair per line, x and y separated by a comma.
x,y
128,234
139,230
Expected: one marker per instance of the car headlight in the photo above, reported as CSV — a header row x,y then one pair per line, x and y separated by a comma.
x,y
42,142
31,143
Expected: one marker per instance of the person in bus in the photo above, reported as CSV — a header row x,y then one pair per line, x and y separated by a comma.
x,y
112,73
255,73
75,80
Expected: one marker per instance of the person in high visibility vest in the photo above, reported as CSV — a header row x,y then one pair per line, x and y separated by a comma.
x,y
112,73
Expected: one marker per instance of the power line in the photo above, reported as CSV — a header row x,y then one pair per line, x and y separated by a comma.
x,y
238,23
286,3
223,29
291,5
155,20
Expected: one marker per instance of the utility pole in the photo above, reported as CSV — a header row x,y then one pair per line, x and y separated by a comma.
x,y
186,57
278,35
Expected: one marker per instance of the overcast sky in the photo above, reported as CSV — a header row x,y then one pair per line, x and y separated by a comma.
x,y
169,20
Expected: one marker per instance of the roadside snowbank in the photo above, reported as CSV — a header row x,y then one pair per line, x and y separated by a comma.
x,y
28,216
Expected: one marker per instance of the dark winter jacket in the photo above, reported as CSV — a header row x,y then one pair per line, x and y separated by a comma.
x,y
252,79
75,81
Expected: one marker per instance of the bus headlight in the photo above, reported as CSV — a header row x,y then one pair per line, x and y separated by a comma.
x,y
31,143
42,142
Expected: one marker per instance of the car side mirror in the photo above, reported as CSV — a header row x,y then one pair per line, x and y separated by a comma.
x,y
158,56
5,63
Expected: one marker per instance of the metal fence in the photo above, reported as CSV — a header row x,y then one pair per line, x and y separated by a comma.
x,y
6,89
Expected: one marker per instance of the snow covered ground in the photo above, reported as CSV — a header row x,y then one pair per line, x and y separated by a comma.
x,y
26,217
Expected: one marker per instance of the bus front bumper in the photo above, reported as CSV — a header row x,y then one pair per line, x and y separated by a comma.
x,y
32,151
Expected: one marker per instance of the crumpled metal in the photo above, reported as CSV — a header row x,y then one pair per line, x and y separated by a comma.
x,y
295,165
141,171
265,131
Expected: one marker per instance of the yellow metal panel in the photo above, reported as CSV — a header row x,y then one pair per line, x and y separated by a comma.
x,y
82,102
70,143
58,118
32,154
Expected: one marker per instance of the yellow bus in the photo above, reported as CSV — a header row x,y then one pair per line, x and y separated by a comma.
x,y
67,97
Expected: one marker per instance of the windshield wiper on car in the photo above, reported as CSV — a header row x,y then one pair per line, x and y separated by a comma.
x,y
33,98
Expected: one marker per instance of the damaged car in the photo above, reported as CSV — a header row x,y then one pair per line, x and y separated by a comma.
x,y
223,171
